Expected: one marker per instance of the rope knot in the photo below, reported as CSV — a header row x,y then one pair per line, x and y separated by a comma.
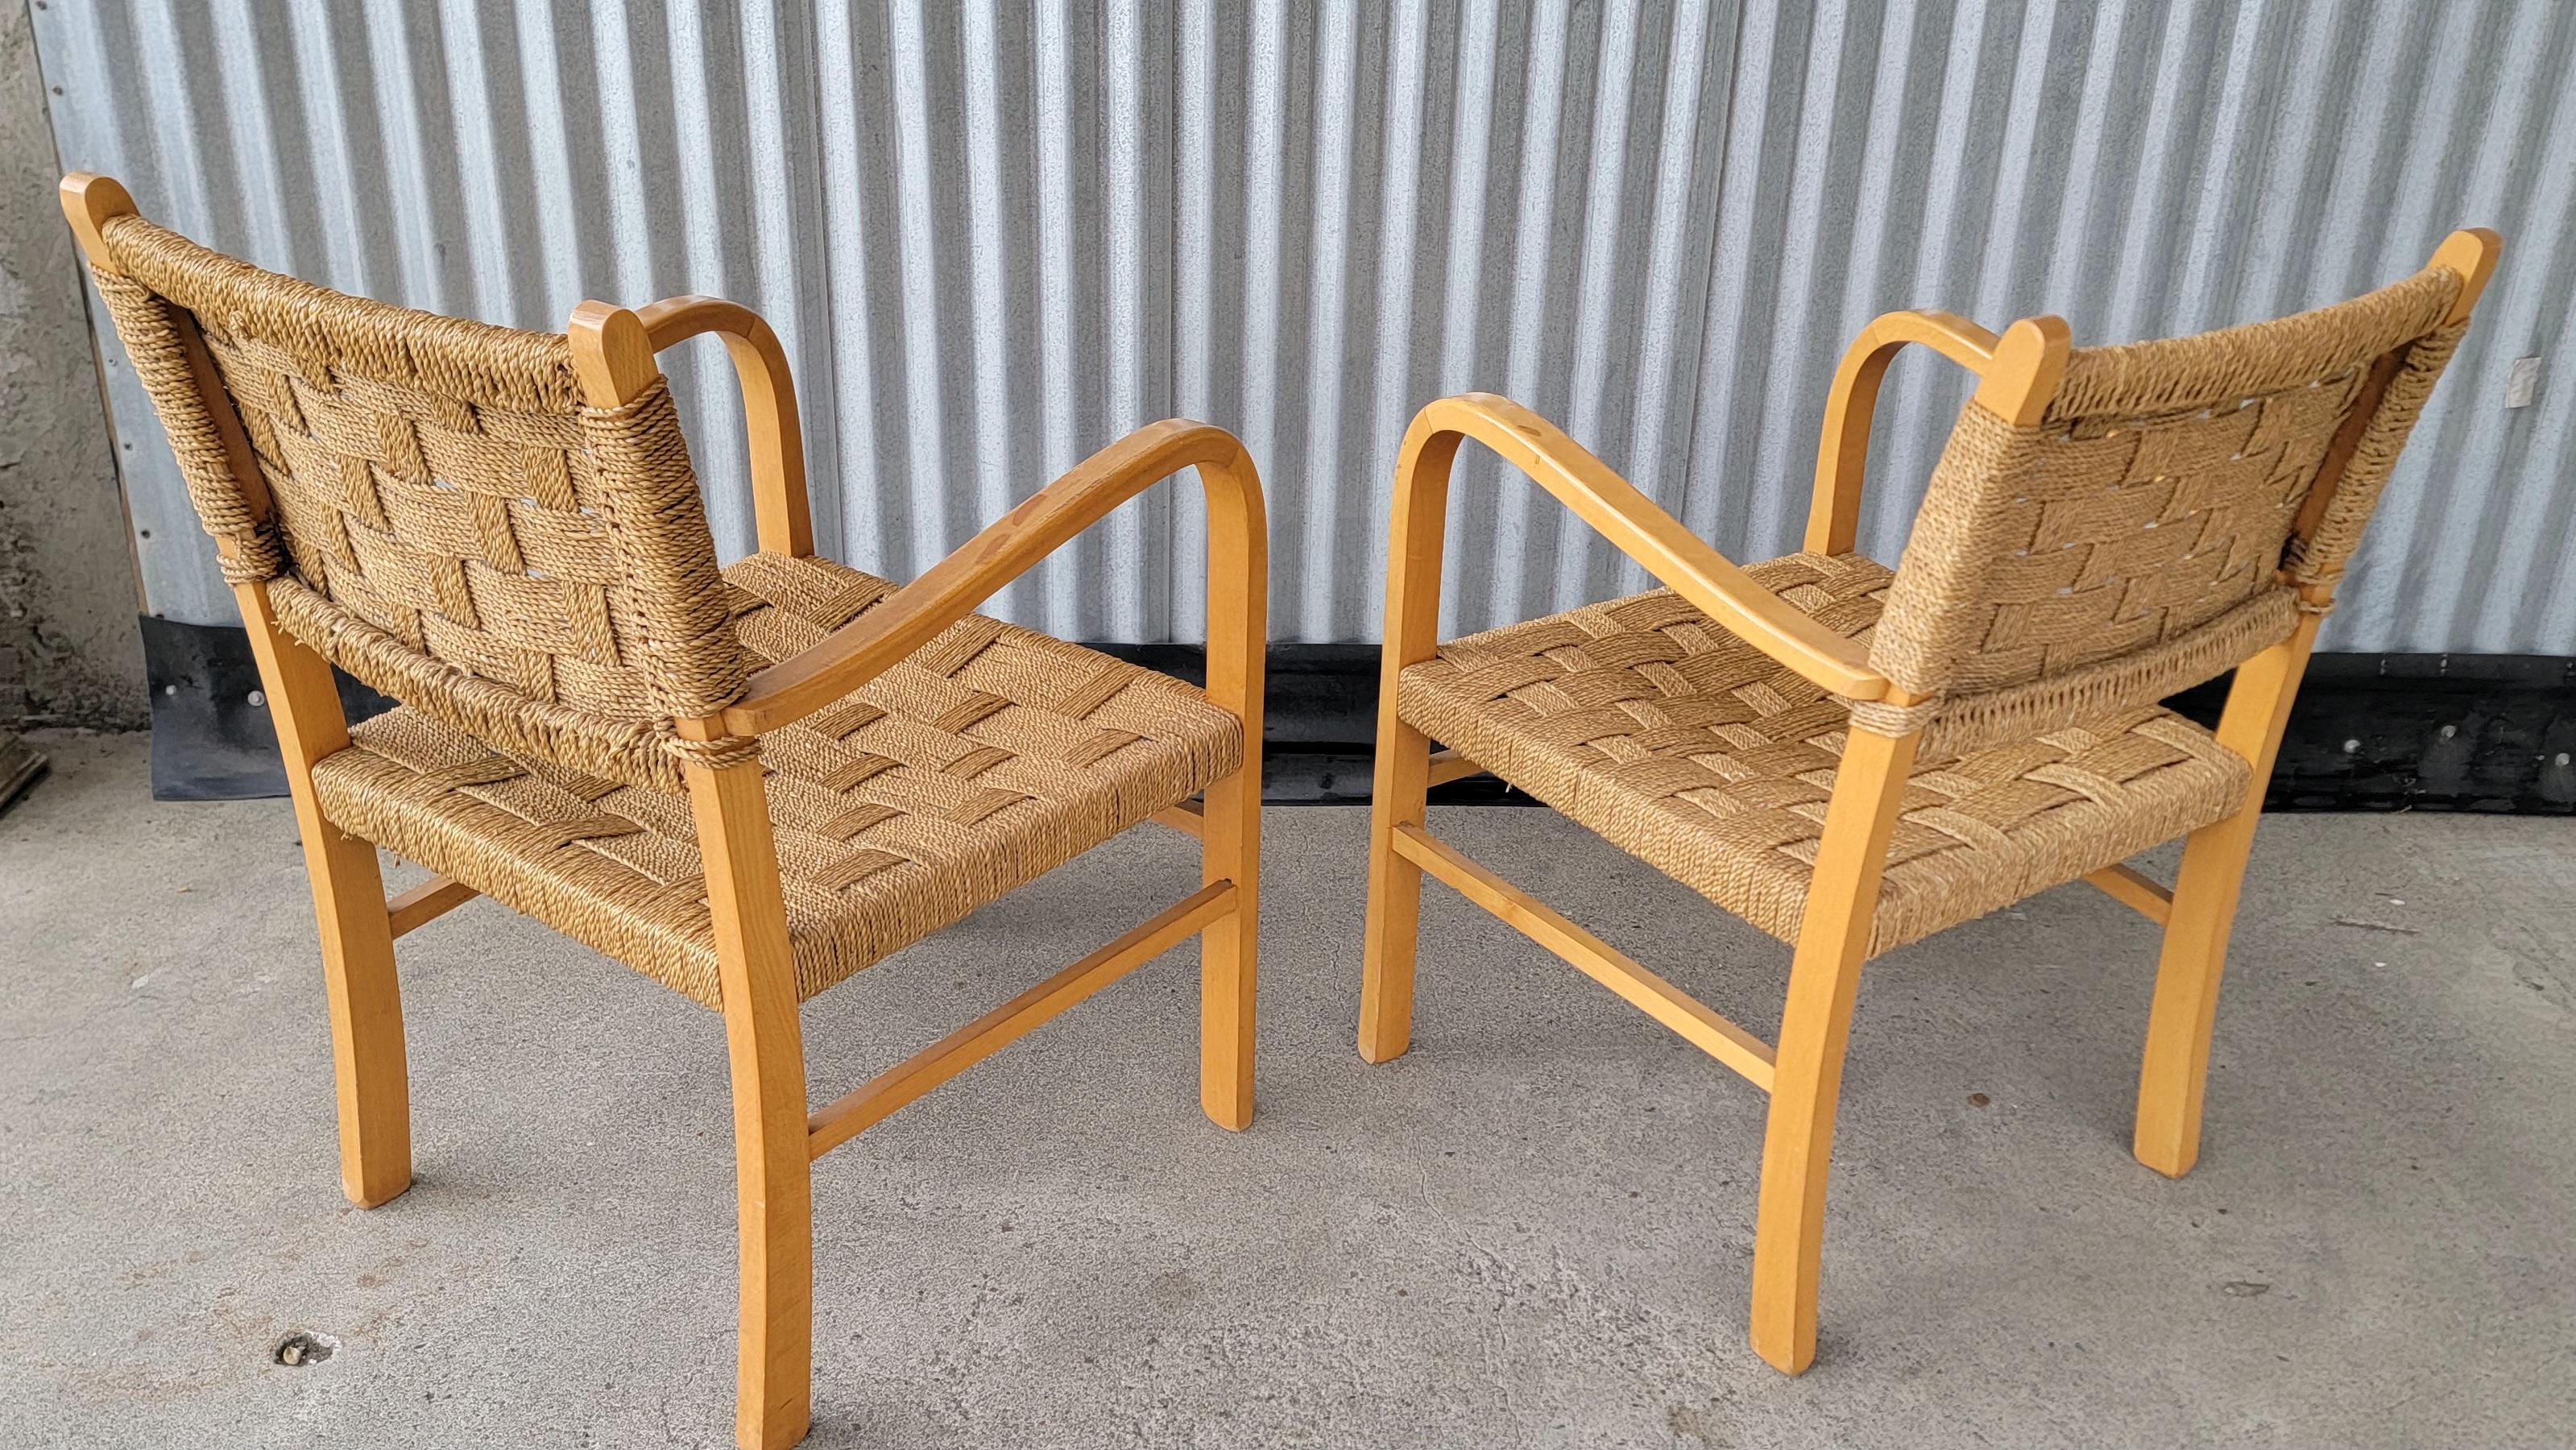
x,y
1881,718
256,556
715,754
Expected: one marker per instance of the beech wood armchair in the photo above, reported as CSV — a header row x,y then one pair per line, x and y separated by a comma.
x,y
1853,757
748,783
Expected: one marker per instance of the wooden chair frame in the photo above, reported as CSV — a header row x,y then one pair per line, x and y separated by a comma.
x,y
776,1137
2018,375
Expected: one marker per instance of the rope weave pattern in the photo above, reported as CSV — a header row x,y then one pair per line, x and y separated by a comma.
x,y
2060,579
2131,543
458,530
150,329
535,580
1681,744
325,332
2321,557
989,757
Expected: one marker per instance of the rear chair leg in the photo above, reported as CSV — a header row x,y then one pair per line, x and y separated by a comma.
x,y
2204,911
2176,1068
1394,892
365,997
356,932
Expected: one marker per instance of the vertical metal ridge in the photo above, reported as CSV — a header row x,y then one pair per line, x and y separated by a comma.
x,y
1464,285
1195,316
1604,230
1051,130
1263,263
994,237
1138,600
1322,613
1398,336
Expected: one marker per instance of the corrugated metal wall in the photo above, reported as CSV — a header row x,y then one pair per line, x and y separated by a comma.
x,y
997,235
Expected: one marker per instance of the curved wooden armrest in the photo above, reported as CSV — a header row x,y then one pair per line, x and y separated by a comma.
x,y
1842,458
768,405
950,589
2019,372
1628,519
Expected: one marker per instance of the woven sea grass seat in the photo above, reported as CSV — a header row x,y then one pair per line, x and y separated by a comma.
x,y
747,782
1853,756
1652,724
990,757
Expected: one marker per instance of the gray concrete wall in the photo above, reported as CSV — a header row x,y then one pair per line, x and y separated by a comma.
x,y
69,654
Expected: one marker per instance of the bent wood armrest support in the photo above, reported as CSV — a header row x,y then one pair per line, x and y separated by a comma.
x,y
1613,506
1012,545
2018,374
768,406
1833,516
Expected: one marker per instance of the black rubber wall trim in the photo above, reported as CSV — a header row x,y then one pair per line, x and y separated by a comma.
x,y
211,736
2424,732
2369,732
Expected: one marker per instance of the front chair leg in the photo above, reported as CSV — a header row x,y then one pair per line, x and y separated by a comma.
x,y
1414,541
1238,636
1824,981
1394,892
1227,949
1797,1152
773,1401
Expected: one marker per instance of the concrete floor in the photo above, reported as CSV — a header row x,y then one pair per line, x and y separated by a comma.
x,y
1534,1229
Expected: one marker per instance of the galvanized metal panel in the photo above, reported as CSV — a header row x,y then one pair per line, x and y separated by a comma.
x,y
995,236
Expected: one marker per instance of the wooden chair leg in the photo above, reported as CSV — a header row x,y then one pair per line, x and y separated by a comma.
x,y
774,1368
1824,981
1238,641
1394,891
1228,951
367,1061
1415,536
772,1158
2176,1066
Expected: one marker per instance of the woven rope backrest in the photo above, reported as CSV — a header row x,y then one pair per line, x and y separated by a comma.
x,y
443,517
2135,540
